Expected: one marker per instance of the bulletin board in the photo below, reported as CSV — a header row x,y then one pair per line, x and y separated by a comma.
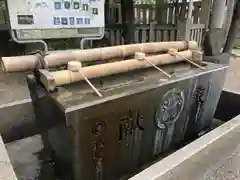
x,y
56,18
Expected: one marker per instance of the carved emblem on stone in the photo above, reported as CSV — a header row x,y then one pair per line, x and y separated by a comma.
x,y
166,116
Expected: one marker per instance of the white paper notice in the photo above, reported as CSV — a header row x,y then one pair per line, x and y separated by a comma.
x,y
55,14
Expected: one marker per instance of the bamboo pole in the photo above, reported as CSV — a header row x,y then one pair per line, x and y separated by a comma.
x,y
67,77
30,62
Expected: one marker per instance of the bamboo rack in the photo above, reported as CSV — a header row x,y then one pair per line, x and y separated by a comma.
x,y
52,79
31,62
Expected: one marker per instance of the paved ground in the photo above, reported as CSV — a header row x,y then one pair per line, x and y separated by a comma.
x,y
6,170
236,52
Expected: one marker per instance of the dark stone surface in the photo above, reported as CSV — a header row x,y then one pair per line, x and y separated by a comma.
x,y
223,58
126,112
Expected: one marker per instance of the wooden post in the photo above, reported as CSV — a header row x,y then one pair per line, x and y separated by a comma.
x,y
176,11
230,8
183,10
205,12
184,29
233,29
152,31
106,9
128,21
218,14
159,9
196,14
184,24
190,9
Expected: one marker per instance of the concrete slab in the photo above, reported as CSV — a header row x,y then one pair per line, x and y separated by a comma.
x,y
232,83
202,159
227,169
28,165
6,169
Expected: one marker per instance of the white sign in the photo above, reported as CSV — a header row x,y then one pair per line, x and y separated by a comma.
x,y
55,14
